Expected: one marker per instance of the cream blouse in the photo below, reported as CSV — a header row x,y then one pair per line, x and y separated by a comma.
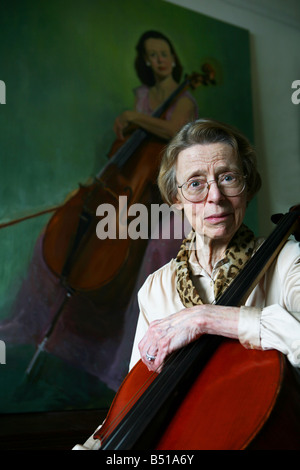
x,y
270,319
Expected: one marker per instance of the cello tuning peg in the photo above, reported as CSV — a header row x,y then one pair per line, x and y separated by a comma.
x,y
276,217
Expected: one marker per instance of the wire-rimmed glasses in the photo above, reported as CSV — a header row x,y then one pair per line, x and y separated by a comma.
x,y
230,184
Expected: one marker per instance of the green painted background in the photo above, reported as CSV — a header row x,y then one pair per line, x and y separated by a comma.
x,y
68,70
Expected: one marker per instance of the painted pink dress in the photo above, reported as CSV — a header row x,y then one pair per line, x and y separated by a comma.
x,y
143,105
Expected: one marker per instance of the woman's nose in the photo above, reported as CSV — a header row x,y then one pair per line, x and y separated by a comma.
x,y
214,193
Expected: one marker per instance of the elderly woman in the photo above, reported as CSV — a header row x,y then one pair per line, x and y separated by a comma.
x,y
209,172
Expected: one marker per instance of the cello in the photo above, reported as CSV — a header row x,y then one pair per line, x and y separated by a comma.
x,y
213,394
71,249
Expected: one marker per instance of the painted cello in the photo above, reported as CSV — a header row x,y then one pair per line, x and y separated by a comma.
x,y
71,249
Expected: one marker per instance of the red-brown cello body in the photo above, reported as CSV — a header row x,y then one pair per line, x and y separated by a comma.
x,y
213,394
242,399
94,263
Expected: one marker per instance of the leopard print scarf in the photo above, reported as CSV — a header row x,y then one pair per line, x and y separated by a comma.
x,y
239,250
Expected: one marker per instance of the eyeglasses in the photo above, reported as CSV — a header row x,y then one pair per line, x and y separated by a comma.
x,y
230,184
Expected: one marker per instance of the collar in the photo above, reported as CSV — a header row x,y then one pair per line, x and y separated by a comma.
x,y
196,268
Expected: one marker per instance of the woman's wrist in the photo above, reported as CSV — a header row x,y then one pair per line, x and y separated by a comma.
x,y
219,320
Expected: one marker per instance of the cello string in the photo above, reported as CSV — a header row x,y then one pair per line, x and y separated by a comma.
x,y
138,396
138,421
127,406
130,145
123,153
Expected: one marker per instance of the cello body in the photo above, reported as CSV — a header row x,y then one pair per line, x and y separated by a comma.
x,y
243,399
90,264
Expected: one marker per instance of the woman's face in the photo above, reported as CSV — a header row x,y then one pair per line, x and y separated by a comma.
x,y
218,217
158,54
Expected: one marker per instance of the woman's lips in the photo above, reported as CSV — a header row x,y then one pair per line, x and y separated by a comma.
x,y
217,218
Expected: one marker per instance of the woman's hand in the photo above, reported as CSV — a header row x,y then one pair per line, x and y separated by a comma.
x,y
177,330
122,122
183,113
169,334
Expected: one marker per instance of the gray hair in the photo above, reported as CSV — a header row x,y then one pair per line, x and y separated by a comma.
x,y
207,131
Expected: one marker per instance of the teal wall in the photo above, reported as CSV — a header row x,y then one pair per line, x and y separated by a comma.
x,y
68,70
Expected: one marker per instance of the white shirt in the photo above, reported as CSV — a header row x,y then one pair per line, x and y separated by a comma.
x,y
270,318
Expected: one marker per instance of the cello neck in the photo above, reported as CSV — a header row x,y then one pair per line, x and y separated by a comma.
x,y
123,154
244,283
167,103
